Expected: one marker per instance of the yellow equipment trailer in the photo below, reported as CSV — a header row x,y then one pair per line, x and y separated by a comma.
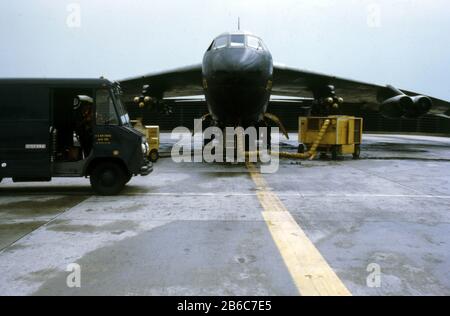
x,y
343,135
151,132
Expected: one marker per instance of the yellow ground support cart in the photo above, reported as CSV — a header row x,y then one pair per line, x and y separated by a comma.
x,y
343,135
151,132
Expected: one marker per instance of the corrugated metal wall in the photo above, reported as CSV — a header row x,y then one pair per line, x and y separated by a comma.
x,y
185,113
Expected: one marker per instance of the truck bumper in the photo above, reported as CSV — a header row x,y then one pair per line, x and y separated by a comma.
x,y
146,169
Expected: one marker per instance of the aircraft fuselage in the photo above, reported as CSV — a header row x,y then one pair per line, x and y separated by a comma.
x,y
237,79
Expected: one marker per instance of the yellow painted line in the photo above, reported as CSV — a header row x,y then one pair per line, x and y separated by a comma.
x,y
311,273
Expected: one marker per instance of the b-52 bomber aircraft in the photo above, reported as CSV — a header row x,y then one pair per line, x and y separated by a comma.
x,y
238,80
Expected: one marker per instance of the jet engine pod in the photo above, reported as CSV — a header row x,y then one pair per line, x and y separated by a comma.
x,y
397,106
395,103
421,106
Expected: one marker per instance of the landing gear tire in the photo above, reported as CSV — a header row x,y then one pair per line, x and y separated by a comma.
x,y
269,139
357,152
108,178
154,155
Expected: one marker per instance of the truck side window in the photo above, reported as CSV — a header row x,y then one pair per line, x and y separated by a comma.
x,y
106,112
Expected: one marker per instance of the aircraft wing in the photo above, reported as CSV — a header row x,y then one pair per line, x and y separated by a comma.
x,y
300,83
287,82
186,81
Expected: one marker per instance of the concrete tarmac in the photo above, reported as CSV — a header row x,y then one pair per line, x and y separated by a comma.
x,y
199,229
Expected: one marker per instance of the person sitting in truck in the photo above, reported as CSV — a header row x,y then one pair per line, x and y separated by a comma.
x,y
83,114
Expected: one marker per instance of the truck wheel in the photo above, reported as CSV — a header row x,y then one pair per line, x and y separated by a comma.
x,y
108,178
128,178
154,155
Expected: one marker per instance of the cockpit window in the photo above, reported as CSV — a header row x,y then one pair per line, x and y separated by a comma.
x,y
264,47
237,40
221,42
254,42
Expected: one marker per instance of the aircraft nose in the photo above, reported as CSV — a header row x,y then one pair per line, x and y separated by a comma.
x,y
237,61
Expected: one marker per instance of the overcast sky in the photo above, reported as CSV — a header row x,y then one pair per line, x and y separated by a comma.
x,y
401,42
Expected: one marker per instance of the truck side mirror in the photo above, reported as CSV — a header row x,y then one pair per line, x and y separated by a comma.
x,y
76,103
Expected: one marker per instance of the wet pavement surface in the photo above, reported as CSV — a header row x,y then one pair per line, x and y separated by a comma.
x,y
198,229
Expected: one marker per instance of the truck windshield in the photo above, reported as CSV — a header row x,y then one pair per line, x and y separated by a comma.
x,y
105,111
123,114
